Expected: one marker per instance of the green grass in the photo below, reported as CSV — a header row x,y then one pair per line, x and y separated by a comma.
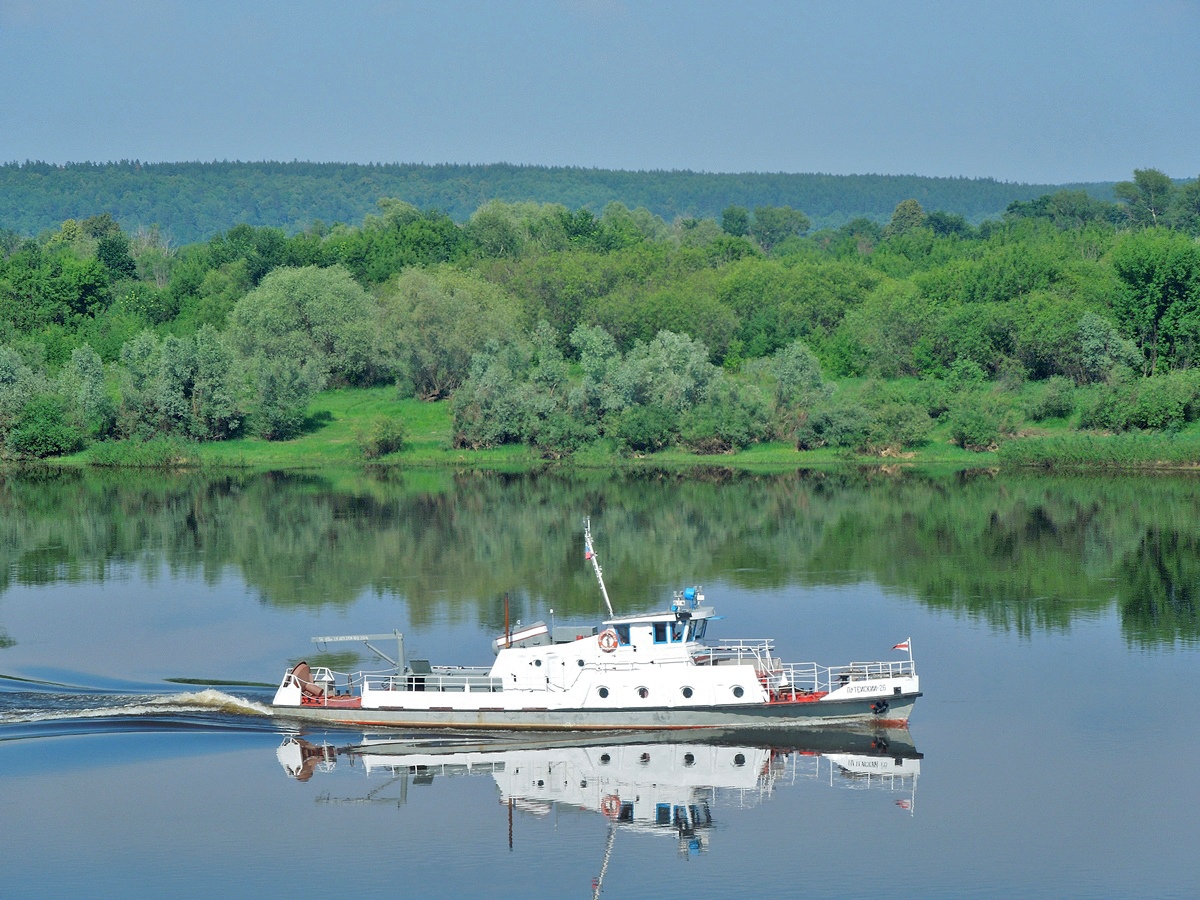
x,y
336,419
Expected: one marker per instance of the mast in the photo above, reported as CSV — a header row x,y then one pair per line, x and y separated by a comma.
x,y
590,554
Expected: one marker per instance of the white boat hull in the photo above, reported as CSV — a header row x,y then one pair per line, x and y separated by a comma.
x,y
756,716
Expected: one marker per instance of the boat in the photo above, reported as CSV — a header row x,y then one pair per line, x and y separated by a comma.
x,y
646,671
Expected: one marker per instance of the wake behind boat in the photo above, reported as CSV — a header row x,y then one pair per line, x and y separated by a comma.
x,y
652,671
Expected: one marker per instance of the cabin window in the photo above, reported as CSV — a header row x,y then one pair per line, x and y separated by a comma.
x,y
738,691
739,760
623,635
626,813
605,759
662,814
677,629
603,692
660,632
689,760
643,692
687,693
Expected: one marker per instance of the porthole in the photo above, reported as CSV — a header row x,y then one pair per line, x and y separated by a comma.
x,y
687,693
580,662
644,759
737,691
605,759
689,760
643,692
739,760
537,662
603,692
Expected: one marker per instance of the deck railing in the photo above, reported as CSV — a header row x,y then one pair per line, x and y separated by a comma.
x,y
464,679
758,652
812,677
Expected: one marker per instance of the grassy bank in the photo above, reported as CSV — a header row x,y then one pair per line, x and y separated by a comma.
x,y
339,420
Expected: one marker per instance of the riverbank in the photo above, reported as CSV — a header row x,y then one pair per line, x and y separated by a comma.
x,y
339,426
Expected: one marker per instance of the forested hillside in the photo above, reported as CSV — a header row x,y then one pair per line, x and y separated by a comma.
x,y
559,329
193,201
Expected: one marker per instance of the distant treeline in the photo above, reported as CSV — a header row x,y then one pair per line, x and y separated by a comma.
x,y
192,201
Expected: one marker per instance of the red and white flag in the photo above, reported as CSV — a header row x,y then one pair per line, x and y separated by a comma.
x,y
904,804
903,645
587,551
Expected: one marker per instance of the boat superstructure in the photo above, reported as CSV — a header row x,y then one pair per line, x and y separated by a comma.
x,y
657,670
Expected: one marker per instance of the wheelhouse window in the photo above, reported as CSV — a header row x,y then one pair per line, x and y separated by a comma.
x,y
660,632
677,631
696,629
622,635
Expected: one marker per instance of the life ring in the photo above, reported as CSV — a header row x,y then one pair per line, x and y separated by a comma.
x,y
608,640
880,707
611,806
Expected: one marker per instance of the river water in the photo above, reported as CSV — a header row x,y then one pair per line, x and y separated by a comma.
x,y
1053,620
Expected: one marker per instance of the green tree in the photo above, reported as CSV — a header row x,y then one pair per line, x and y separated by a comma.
x,y
18,385
1146,198
320,318
735,221
436,320
774,224
282,388
44,429
1185,208
215,410
1160,271
81,384
905,217
113,252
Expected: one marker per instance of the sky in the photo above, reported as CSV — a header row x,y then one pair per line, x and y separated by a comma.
x,y
1046,92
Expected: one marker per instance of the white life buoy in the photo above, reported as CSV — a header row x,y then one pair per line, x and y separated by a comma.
x,y
608,640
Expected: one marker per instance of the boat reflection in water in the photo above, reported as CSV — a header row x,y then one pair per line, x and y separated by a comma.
x,y
636,782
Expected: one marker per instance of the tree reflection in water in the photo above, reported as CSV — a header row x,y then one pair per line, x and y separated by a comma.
x,y
1023,552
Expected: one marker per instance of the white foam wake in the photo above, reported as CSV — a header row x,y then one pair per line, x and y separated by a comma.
x,y
206,701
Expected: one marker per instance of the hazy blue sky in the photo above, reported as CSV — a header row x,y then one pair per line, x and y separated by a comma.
x,y
1048,91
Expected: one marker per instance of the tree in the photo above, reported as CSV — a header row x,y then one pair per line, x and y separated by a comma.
x,y
735,221
1146,198
44,430
18,384
1160,305
113,252
905,217
82,387
1185,208
437,319
215,410
773,224
318,318
282,390
946,224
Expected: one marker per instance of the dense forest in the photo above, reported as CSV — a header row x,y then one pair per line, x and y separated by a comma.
x,y
559,328
190,202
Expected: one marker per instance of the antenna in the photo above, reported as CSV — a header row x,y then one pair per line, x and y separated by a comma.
x,y
590,554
